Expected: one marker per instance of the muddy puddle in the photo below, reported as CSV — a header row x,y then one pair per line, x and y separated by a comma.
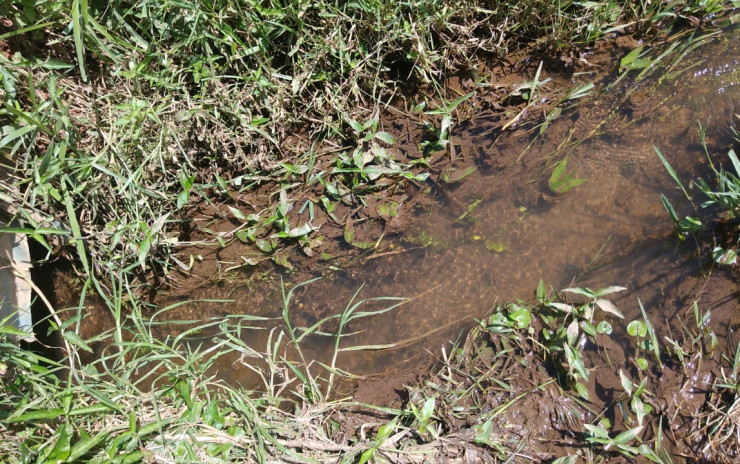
x,y
491,237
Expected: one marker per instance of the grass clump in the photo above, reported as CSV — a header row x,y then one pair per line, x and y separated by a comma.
x,y
124,116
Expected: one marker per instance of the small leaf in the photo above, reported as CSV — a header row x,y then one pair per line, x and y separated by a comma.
x,y
572,333
356,126
282,260
305,229
723,256
609,307
627,61
587,292
385,431
366,456
245,236
158,224
483,433
609,290
498,247
588,328
452,176
561,306
144,248
597,430
541,292
637,329
626,383
582,391
642,363
427,409
628,435
237,214
385,137
604,328
263,245
521,316
182,198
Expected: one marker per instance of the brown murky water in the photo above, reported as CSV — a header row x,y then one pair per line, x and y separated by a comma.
x,y
611,230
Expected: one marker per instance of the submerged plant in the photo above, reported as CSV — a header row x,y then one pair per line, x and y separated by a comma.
x,y
561,181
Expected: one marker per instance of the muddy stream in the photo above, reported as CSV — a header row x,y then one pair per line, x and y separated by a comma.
x,y
491,237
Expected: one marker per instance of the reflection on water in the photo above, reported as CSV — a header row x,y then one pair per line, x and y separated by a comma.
x,y
611,230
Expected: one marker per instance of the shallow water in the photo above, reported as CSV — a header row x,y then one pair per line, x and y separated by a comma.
x,y
611,230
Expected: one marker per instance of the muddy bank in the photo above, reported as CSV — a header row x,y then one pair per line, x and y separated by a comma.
x,y
493,219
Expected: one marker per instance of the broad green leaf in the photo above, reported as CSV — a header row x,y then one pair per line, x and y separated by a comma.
x,y
385,137
609,290
521,316
582,391
356,126
597,431
588,328
572,332
609,307
627,61
427,409
561,306
282,260
10,330
305,229
636,329
587,292
452,176
263,245
62,447
237,214
560,181
144,248
628,435
87,443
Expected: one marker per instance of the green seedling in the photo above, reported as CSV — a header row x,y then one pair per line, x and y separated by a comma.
x,y
571,325
645,340
438,138
384,432
620,443
561,181
424,417
705,337
635,394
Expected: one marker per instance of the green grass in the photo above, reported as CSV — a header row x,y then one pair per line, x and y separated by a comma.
x,y
133,112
